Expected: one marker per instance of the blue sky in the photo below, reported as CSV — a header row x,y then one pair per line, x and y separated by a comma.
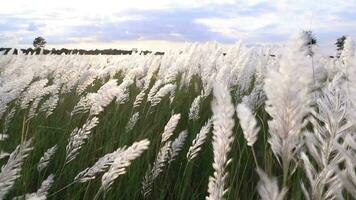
x,y
160,23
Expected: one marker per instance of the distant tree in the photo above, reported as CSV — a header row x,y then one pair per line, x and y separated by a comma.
x,y
311,41
39,42
340,45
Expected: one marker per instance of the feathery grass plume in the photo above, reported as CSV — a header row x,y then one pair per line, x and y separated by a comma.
x,y
36,89
268,188
170,127
49,105
139,98
78,137
195,108
82,106
223,123
142,94
177,145
8,120
33,108
158,165
348,60
86,78
288,103
12,88
329,125
324,184
96,102
99,166
123,90
154,90
121,162
132,122
12,169
166,89
41,193
347,148
102,98
248,123
257,97
45,159
198,141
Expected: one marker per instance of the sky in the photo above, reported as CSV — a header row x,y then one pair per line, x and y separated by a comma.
x,y
163,24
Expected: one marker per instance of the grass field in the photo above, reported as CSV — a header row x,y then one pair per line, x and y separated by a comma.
x,y
263,127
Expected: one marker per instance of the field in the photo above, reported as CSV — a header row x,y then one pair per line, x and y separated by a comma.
x,y
202,123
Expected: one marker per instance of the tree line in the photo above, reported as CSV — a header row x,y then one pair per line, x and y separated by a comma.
x,y
37,51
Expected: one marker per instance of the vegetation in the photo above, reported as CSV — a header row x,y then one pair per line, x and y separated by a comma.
x,y
195,124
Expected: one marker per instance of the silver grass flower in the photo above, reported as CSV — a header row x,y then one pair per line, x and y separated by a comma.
x,y
102,98
223,111
8,120
248,123
78,137
45,159
132,122
177,145
123,90
165,90
198,141
288,103
154,90
268,187
12,169
158,165
41,193
35,90
100,166
170,127
96,102
195,108
121,162
49,105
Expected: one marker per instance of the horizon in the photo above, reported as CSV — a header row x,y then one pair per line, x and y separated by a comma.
x,y
161,25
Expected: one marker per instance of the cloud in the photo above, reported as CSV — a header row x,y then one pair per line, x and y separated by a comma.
x,y
226,21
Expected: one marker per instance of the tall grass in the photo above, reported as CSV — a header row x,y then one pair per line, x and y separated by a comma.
x,y
203,123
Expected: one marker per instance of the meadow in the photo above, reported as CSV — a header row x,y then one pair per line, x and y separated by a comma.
x,y
201,123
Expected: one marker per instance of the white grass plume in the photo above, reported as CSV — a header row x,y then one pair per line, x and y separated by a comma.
x,y
11,170
165,90
8,120
42,192
34,90
154,90
49,105
248,123
132,122
78,137
96,102
268,188
158,165
170,127
288,102
122,161
223,111
177,145
198,141
195,108
45,159
99,166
